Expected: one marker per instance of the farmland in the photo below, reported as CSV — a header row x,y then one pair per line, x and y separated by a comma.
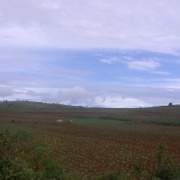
x,y
101,140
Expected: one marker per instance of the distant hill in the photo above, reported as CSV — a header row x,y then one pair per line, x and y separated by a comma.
x,y
166,115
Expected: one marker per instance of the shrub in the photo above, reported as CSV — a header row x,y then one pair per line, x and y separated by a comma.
x,y
115,175
138,169
166,169
21,158
11,169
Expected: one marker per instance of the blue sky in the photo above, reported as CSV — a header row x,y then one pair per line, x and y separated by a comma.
x,y
90,53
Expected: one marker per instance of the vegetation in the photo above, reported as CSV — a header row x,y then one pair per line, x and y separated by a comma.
x,y
166,169
167,122
97,121
20,157
170,104
101,144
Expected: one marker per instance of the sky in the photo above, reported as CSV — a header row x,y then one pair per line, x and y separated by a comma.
x,y
94,53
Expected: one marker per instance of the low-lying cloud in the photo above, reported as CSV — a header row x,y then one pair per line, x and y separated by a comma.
x,y
6,92
116,96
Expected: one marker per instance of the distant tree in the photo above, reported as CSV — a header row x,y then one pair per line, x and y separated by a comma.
x,y
170,104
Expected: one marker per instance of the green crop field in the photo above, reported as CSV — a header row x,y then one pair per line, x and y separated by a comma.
x,y
99,122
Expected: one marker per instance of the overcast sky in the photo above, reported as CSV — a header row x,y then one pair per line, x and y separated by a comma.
x,y
106,53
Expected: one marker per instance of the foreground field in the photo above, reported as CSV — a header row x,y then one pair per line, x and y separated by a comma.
x,y
100,140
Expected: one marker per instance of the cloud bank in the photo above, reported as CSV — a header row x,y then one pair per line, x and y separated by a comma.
x,y
140,24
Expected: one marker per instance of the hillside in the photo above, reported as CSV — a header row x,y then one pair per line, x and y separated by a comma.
x,y
101,143
167,115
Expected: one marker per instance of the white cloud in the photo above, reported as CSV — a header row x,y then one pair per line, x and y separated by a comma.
x,y
81,96
75,96
145,65
116,96
116,101
18,36
109,60
128,24
51,5
6,91
161,72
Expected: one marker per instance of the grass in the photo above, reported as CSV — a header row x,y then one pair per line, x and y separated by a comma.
x,y
6,110
168,122
99,122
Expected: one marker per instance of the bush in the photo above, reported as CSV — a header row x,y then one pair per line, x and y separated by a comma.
x,y
10,169
166,169
20,157
111,176
115,175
